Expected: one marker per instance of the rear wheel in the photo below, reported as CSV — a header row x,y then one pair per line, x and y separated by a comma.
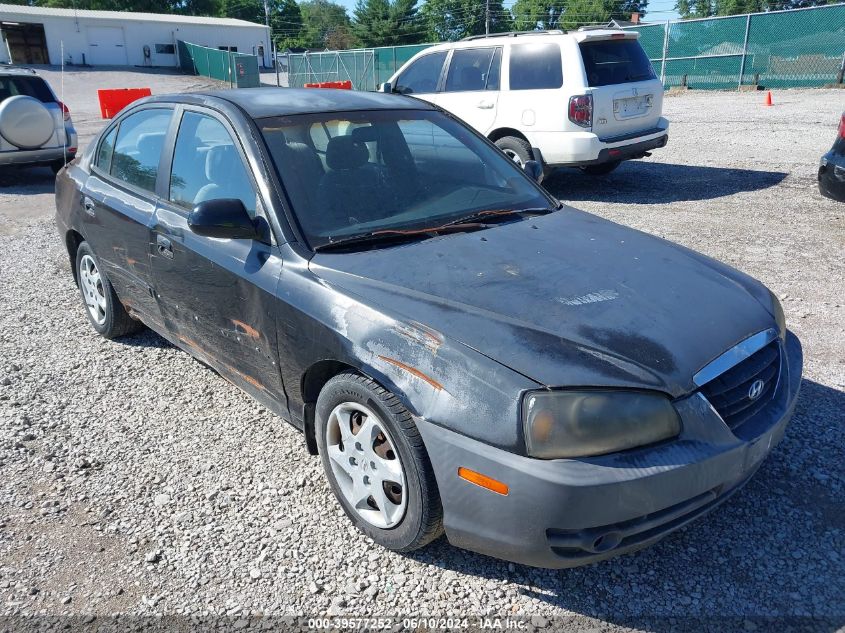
x,y
103,308
515,148
376,463
57,165
602,168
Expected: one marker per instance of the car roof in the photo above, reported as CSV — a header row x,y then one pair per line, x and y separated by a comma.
x,y
269,102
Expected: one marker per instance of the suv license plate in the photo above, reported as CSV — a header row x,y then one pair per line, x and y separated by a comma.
x,y
632,106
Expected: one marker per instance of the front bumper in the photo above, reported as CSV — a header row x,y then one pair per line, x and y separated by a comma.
x,y
570,512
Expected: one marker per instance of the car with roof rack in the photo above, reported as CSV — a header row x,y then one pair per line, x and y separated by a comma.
x,y
35,127
587,98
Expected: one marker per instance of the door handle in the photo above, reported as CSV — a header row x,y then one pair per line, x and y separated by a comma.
x,y
89,206
485,105
164,246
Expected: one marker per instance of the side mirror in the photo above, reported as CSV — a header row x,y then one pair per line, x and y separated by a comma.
x,y
386,87
224,218
534,170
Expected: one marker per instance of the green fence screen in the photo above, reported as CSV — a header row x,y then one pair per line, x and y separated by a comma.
x,y
238,69
778,49
366,68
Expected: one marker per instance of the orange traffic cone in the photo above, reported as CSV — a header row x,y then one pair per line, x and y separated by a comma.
x,y
768,100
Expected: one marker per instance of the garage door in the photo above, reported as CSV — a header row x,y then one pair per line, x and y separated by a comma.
x,y
106,46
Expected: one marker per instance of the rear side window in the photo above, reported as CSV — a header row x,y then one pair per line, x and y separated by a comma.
x,y
27,86
421,76
609,62
471,69
535,67
137,150
104,154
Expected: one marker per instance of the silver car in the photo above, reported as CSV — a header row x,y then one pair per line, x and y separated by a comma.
x,y
35,127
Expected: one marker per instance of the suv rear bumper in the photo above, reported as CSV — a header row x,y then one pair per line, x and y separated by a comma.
x,y
576,149
41,156
571,512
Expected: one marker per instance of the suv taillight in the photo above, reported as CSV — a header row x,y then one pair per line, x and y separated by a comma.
x,y
581,110
65,111
842,127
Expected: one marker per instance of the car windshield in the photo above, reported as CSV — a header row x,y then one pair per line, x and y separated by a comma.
x,y
352,174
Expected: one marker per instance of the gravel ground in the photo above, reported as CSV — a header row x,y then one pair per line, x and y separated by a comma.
x,y
134,480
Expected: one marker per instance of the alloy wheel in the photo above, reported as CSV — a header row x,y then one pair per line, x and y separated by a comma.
x,y
92,289
513,156
366,465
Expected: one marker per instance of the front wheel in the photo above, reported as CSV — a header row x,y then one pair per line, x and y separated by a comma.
x,y
602,168
376,463
103,308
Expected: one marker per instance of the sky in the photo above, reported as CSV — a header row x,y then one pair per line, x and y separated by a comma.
x,y
658,10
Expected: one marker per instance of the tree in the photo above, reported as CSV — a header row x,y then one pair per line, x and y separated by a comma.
x,y
286,23
529,15
320,20
454,19
385,23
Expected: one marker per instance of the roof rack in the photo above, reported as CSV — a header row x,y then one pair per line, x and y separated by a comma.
x,y
511,34
11,68
599,27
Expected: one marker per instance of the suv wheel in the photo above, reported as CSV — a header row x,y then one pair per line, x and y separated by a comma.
x,y
517,149
602,168
104,310
376,463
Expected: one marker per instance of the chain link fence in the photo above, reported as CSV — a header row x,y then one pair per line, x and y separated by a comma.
x,y
366,68
238,69
778,49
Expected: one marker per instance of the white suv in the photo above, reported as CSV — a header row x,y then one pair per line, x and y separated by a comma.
x,y
35,127
587,98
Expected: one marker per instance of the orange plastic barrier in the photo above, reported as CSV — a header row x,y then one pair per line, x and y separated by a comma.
x,y
113,101
340,85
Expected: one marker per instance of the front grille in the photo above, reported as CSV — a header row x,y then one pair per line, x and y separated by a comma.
x,y
729,393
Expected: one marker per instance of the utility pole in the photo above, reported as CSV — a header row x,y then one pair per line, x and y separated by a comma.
x,y
487,17
266,14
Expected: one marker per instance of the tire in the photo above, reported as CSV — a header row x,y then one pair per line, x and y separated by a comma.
x,y
602,168
57,165
349,399
517,149
99,298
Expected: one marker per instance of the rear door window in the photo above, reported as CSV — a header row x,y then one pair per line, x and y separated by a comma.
x,y
137,150
609,62
421,76
535,66
471,69
27,86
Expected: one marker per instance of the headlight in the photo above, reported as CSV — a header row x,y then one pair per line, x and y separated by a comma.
x,y
777,310
578,423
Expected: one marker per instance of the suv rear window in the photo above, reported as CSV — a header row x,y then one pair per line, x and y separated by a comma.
x,y
28,86
609,62
535,67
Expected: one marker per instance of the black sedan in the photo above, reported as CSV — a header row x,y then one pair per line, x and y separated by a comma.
x,y
464,352
832,167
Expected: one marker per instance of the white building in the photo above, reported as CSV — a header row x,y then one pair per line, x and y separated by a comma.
x,y
36,35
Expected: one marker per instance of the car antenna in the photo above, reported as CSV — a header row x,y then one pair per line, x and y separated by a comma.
x,y
62,91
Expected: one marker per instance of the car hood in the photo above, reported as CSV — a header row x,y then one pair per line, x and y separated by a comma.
x,y
566,299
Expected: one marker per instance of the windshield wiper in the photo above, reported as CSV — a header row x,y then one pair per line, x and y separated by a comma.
x,y
393,236
499,213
